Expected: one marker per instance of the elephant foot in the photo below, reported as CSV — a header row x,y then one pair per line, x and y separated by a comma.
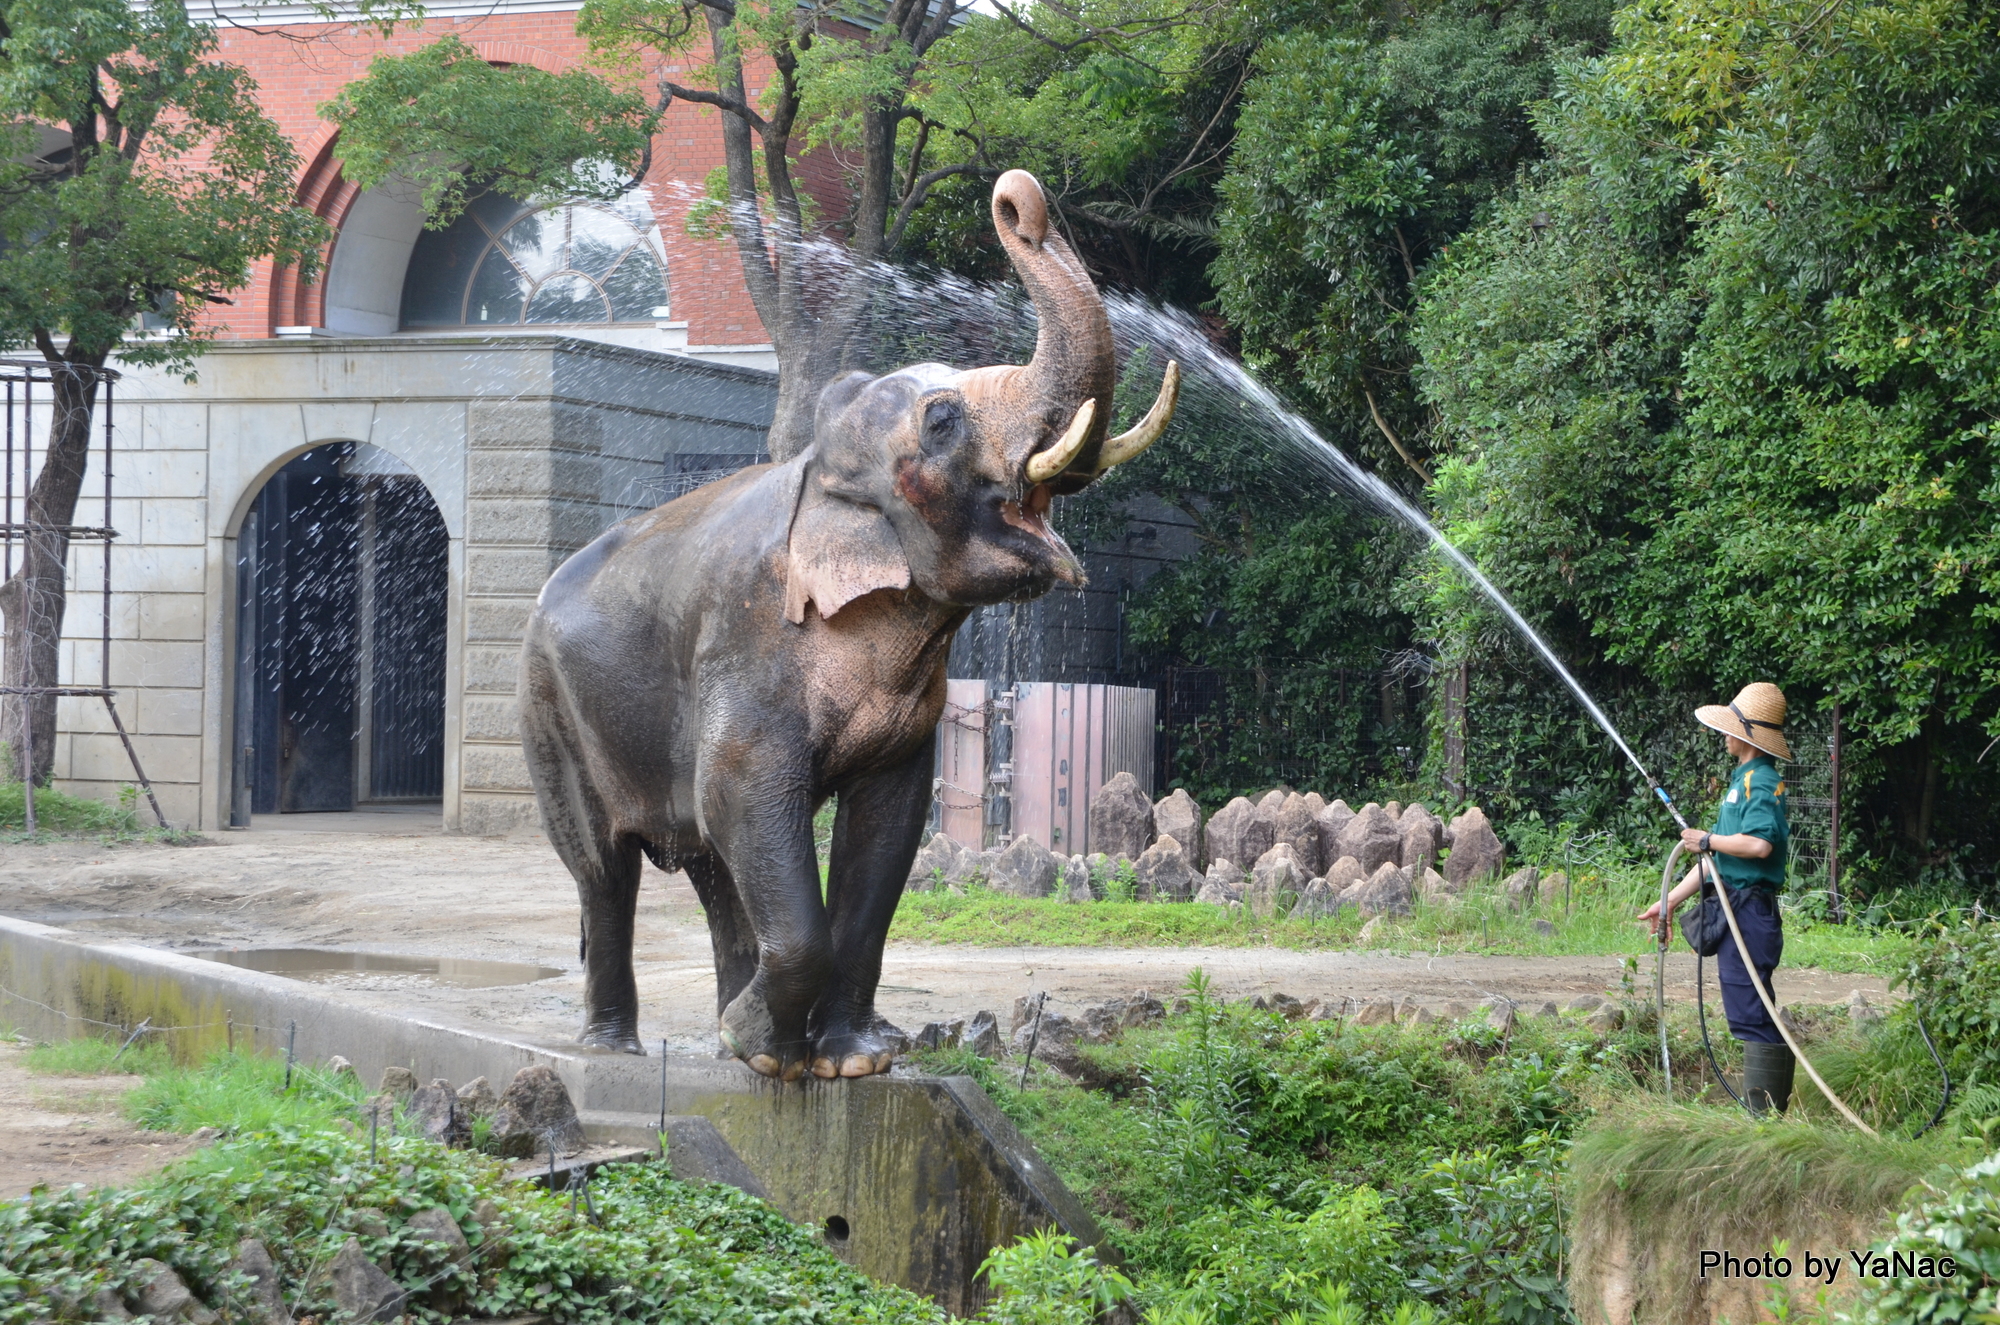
x,y
623,1039
747,1032
858,1053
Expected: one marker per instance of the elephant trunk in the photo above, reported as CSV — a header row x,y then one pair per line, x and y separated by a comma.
x,y
1073,361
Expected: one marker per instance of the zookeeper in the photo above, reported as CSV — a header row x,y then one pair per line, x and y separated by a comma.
x,y
1751,841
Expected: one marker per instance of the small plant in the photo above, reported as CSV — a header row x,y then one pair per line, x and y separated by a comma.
x,y
1046,1279
1121,882
1953,974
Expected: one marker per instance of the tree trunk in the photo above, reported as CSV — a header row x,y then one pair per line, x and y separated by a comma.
x,y
33,601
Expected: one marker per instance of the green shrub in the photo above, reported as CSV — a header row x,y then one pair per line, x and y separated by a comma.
x,y
1954,976
60,812
1494,1251
1045,1279
1963,1222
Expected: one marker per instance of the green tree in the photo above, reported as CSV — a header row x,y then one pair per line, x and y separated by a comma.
x,y
139,176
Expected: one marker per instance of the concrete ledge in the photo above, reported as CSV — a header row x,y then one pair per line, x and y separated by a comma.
x,y
924,1173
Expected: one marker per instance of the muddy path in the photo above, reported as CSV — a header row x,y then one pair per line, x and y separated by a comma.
x,y
398,885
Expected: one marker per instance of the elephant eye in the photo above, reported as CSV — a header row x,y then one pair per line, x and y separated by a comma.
x,y
942,422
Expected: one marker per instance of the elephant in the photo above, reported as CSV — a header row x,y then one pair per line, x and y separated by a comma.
x,y
697,681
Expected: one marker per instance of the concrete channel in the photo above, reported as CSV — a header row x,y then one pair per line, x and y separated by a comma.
x,y
911,1179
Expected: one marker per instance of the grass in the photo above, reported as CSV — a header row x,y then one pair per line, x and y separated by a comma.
x,y
1599,922
60,815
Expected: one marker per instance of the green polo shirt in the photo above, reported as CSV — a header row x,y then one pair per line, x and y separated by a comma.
x,y
1755,804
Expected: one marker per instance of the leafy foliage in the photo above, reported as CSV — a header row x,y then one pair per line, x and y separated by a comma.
x,y
1962,1222
456,126
1954,977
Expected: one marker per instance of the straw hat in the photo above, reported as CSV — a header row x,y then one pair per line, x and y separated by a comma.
x,y
1756,715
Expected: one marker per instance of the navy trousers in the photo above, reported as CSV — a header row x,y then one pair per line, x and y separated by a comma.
x,y
1764,934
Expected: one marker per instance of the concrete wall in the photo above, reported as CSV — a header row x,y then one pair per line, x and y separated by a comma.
x,y
529,444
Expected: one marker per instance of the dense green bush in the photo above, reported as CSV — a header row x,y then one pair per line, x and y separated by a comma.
x,y
1962,1222
1954,977
655,1249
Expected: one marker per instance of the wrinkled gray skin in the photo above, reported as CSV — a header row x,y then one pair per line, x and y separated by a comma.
x,y
701,678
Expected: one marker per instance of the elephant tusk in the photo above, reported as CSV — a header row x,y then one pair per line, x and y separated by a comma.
x,y
1045,465
1117,450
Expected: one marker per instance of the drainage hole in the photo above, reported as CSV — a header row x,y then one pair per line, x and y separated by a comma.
x,y
836,1228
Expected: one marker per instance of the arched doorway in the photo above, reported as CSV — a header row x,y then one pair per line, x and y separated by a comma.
x,y
342,588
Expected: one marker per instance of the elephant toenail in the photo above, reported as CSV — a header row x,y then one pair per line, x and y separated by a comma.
x,y
763,1065
824,1069
884,1061
857,1065
793,1071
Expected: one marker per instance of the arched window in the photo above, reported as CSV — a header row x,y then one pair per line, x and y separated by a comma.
x,y
504,264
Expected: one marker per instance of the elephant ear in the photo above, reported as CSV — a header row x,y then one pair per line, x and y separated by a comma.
x,y
839,550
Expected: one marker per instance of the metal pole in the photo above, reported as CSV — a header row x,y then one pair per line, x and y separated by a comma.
x,y
28,763
8,516
1833,826
104,656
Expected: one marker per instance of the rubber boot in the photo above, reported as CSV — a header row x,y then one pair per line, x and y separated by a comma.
x,y
1767,1077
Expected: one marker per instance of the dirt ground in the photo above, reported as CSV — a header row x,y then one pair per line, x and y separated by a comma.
x,y
394,883
55,1131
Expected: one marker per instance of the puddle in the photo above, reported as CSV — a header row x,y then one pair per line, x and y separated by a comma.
x,y
329,966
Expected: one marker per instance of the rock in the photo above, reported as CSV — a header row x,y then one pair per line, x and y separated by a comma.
x,y
1379,1012
398,1081
1121,817
1547,1009
1331,821
1394,809
1500,1016
1476,852
1315,803
1456,1012
1519,889
1367,933
1387,892
1423,1016
1076,881
1371,838
1583,1003
1026,868
1432,889
1344,874
1546,928
1238,833
1054,1042
1275,882
1212,893
1296,825
982,1035
1552,887
476,1100
1608,1018
1860,1010
489,1221
971,869
1179,816
438,1225
1287,1007
1272,801
1420,837
105,1304
360,1289
1142,1009
536,1114
162,1295
338,1067
368,1221
1317,902
433,1109
933,865
1165,873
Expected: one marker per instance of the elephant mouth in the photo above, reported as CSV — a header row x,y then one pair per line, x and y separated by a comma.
x,y
1030,516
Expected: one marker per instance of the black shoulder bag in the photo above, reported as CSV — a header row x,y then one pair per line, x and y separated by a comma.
x,y
1705,927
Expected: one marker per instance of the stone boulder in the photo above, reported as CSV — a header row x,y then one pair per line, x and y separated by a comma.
x,y
1276,881
1026,868
438,1226
1376,1012
933,865
1272,801
1297,826
360,1288
1317,902
1075,884
1519,888
1394,809
1239,833
1387,892
971,869
1331,821
433,1109
163,1296
982,1035
1055,1039
1553,887
267,1299
1345,873
1422,836
1165,874
1121,818
1222,886
1431,888
536,1114
1371,838
1315,803
1179,816
398,1081
1476,852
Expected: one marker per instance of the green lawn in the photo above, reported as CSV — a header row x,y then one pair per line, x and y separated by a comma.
x,y
1598,922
